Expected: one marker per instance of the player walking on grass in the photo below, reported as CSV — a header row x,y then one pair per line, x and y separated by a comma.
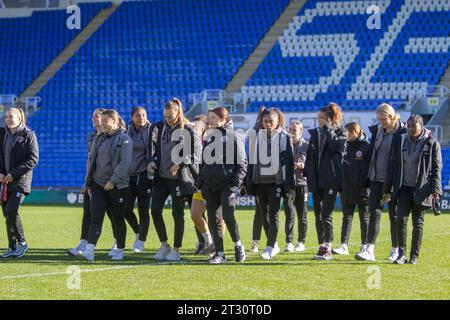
x,y
271,180
86,221
107,182
221,179
19,155
140,185
298,202
173,177
352,195
414,179
381,146
324,172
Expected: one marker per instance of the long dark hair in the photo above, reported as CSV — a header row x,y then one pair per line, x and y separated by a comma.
x,y
334,113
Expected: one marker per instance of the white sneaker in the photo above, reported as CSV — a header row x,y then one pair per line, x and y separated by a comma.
x,y
173,256
368,254
113,250
86,255
394,254
289,247
138,246
80,247
267,253
299,247
118,255
162,253
362,249
254,247
276,250
342,250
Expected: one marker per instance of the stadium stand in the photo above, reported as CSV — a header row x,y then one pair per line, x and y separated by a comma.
x,y
149,51
146,53
329,54
29,44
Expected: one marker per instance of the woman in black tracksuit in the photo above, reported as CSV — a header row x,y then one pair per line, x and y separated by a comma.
x,y
257,218
298,202
173,176
324,172
352,195
414,179
19,155
382,141
270,174
220,179
107,182
86,221
140,182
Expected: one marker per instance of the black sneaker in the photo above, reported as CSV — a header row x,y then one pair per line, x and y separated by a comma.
x,y
200,248
401,260
324,253
239,253
413,260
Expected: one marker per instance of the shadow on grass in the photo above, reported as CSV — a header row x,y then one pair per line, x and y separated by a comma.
x,y
59,256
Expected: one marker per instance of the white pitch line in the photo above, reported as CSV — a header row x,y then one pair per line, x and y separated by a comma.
x,y
37,275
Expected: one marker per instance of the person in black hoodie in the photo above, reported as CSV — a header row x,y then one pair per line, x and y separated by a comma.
x,y
374,175
324,172
19,155
223,170
352,195
414,179
140,182
107,182
270,174
174,173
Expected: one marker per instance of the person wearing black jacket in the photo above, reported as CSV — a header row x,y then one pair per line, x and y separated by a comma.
x,y
324,172
352,195
174,173
381,145
414,178
297,202
270,175
86,220
257,218
140,183
223,169
19,155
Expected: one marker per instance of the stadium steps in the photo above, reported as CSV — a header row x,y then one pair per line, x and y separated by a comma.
x,y
445,80
37,85
258,55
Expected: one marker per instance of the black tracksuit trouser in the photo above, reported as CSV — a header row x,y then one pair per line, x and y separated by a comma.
x,y
14,227
86,220
347,219
405,205
140,188
269,199
296,203
101,200
376,209
324,201
227,200
162,188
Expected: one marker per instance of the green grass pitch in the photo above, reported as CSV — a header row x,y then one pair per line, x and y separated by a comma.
x,y
47,272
